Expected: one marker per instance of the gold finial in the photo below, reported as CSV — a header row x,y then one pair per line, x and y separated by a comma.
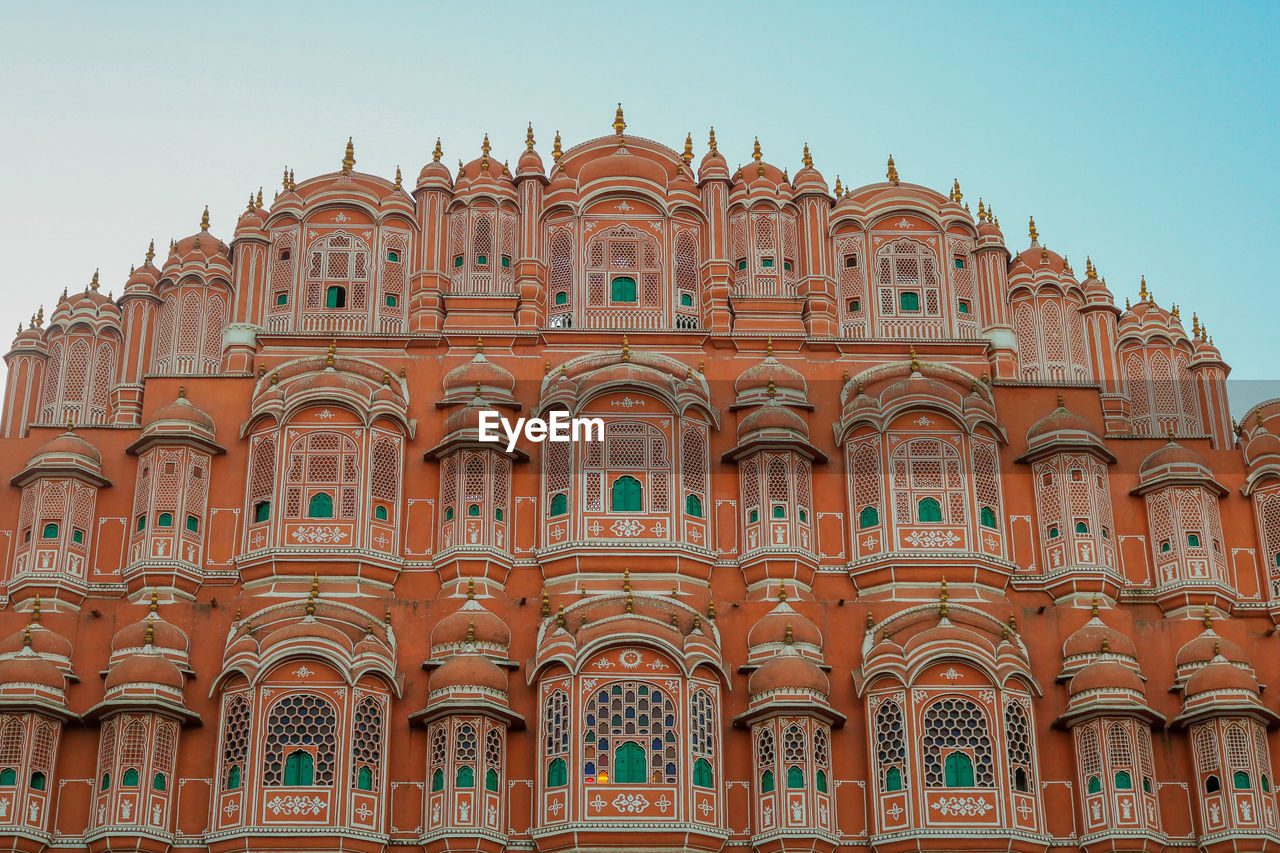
x,y
697,621
386,378
284,180
687,156
506,169
915,362
399,179
333,347
151,251
275,377
1195,324
560,621
956,195
26,636
1060,405
844,376
1171,441
1176,311
93,282
1031,229
788,637
311,596
711,609
768,346
462,171
39,317
349,159
1216,650
546,605
626,579
1127,306
528,138
204,219
556,153
249,209
1044,254
564,369
871,622
1089,271
711,139
546,368
1208,617
1004,632
1106,646
182,392
1013,622
688,371
35,611
484,152
838,189
293,185
259,199
702,366
150,636
806,158
70,424
1142,291
758,157
437,152
471,589
675,619
626,349
619,123
1095,604
782,592
630,604
471,631
772,389
892,173
942,599
982,211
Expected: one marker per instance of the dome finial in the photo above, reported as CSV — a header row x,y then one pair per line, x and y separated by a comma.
x,y
182,392
626,348
258,201
556,153
437,152
1061,405
284,179
479,344
711,140
982,211
782,592
149,637
35,611
619,123
773,391
1195,325
349,159
333,348
311,596
560,620
1208,618
942,599
807,158
1031,230
892,173
1095,604
1142,290
528,138
151,251
546,604
787,637
204,219
768,347
471,589
485,148
399,179
915,362
93,282
471,632
249,209
956,195
1089,271
839,190
1171,441
687,156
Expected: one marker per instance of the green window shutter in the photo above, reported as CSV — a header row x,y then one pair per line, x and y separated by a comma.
x,y
562,298
869,517
466,777
929,510
77,536
364,779
820,781
299,769
392,302
1240,781
559,504
989,517
622,289
380,513
491,780
702,773
50,531
261,511
766,782
909,301
130,778
1193,540
693,506
1124,782
893,779
437,780
686,300
474,510
320,505
157,782
1095,785
233,778
1082,527
557,774
628,763
627,495
448,513
193,524
958,771
8,776
779,511
164,519
795,778
38,780
106,782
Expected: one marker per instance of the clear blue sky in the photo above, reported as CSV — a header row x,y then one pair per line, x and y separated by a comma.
x,y
1143,134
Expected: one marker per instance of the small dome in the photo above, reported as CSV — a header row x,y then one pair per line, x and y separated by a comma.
x,y
788,672
1207,646
68,444
487,629
180,415
1174,460
773,626
713,165
1061,420
31,669
773,418
1088,639
43,642
945,632
164,635
468,671
530,163
1106,675
145,668
479,371
1220,675
753,383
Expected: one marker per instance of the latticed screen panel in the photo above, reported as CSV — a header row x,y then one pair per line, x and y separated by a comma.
x,y
956,724
555,720
303,722
630,733
237,718
366,742
890,743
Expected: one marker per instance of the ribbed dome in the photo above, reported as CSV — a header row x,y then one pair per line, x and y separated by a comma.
x,y
1089,638
30,669
179,413
788,672
1206,647
755,379
145,669
43,642
468,671
163,636
1106,675
772,628
773,418
1060,420
1173,456
68,444
487,628
479,371
1220,675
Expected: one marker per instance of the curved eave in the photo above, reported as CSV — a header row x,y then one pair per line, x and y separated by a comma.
x,y
1162,481
756,443
30,474
1228,708
790,707
447,707
40,706
470,442
175,439
1053,448
148,704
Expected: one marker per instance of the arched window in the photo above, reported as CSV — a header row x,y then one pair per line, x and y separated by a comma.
x,y
957,725
235,740
164,519
557,773
299,769
8,777
1193,540
766,782
928,510
626,495
958,770
380,513
364,779
491,780
473,511
366,743
320,505
1212,785
1094,785
562,298
466,777
335,297
1017,737
891,745
635,713
157,782
988,517
795,777
868,517
105,783
1082,527
779,511
693,506
437,780
300,718
130,778
622,289
893,779
38,781
909,300
466,751
559,504
702,773
1240,781
233,779
1124,781
50,531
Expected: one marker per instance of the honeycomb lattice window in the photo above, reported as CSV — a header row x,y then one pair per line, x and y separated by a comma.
x,y
235,738
956,724
304,722
632,725
1017,734
891,745
366,743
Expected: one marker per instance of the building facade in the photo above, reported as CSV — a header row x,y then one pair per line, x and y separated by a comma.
x,y
896,538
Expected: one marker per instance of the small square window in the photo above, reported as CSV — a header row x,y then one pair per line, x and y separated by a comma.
x,y
959,262
481,260
282,299
742,264
855,305
850,261
392,302
767,263
909,300
506,262
964,307
284,254
393,256
686,300
457,261
786,266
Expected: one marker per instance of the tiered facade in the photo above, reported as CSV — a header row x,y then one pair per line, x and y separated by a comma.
x,y
896,539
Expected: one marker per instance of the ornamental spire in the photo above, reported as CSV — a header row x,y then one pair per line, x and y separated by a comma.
x,y
838,189
528,138
1208,618
942,599
626,348
93,282
151,251
892,173
349,159
399,179
311,596
204,219
1142,291
1095,605
437,152
471,589
807,158
484,152
556,153
915,362
687,156
259,199
956,195
619,123
1031,230
1089,271
711,140
758,157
